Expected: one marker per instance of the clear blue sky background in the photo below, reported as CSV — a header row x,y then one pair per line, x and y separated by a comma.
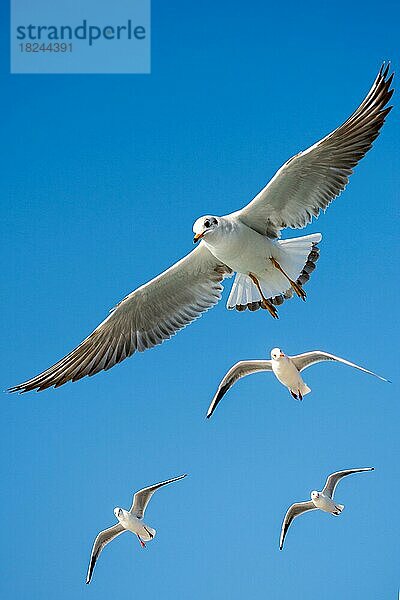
x,y
102,179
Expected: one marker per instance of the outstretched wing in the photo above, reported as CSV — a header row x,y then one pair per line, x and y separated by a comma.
x,y
307,359
241,369
142,497
310,180
294,511
148,316
102,540
334,479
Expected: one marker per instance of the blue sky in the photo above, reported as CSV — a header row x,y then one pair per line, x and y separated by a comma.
x,y
88,163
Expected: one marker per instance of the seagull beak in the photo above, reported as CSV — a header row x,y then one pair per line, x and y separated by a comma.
x,y
197,237
281,355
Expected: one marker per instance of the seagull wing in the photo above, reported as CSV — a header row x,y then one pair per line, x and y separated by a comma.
x,y
146,317
310,180
142,497
241,369
334,479
302,361
294,511
102,540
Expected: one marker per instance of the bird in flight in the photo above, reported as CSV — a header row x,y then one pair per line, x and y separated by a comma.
x,y
287,369
128,520
319,500
268,270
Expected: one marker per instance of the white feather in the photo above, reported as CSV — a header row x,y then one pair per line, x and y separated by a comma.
x,y
291,255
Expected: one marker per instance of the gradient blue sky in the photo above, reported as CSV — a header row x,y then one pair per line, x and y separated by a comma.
x,y
102,179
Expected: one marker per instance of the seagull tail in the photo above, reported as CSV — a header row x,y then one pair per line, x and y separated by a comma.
x,y
296,256
339,508
305,389
148,534
244,294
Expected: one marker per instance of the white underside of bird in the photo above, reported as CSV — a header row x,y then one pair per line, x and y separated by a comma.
x,y
287,373
130,522
326,504
264,268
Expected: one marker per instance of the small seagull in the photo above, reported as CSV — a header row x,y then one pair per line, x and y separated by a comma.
x,y
246,242
319,500
286,369
129,520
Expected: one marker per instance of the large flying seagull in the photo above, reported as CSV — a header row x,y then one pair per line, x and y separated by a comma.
x,y
268,270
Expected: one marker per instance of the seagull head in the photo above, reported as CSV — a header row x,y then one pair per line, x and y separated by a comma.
x,y
277,354
204,226
119,513
314,495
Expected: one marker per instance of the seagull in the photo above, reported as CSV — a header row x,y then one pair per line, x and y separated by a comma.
x,y
286,369
319,500
128,520
268,270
